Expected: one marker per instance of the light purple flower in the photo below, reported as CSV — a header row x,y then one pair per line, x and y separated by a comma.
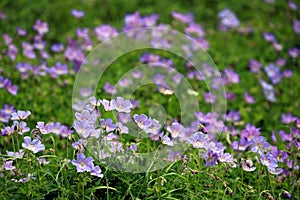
x,y
79,145
166,140
247,165
107,125
104,32
153,128
296,26
268,91
20,115
259,144
254,66
287,118
142,121
121,105
41,27
109,88
294,52
18,154
233,116
8,165
35,146
269,37
77,13
269,161
249,99
7,130
57,47
195,29
96,171
45,129
199,140
122,128
21,127
82,163
228,20
183,17
176,130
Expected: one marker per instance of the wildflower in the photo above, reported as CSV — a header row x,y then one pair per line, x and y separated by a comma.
x,y
269,161
259,144
45,129
96,171
211,158
269,37
121,105
57,47
228,20
142,121
42,161
250,132
199,140
233,116
166,140
41,27
254,66
183,17
21,127
296,26
79,145
109,88
122,128
176,130
249,99
18,154
35,146
294,52
268,91
7,130
20,115
7,165
107,125
77,13
106,105
82,163
247,165
104,32
287,118
228,158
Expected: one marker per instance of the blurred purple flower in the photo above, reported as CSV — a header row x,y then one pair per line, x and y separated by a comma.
x,y
8,165
268,91
294,52
104,32
269,37
142,121
77,13
296,26
227,20
249,99
21,32
41,27
183,17
109,88
254,66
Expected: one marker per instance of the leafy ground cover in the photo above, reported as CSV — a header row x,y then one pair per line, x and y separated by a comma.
x,y
54,146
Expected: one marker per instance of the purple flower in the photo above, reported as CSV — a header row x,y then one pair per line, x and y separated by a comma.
x,y
269,161
7,165
250,132
21,127
4,117
280,62
104,32
259,144
109,88
249,99
94,104
124,118
19,154
21,32
233,116
7,130
86,92
153,128
273,72
269,37
45,129
121,105
96,171
166,140
268,91
20,115
150,20
176,130
137,74
294,52
296,26
209,98
183,17
122,128
228,20
211,158
106,105
41,27
199,140
57,47
83,164
34,146
84,128
254,66
79,145
247,165
227,158
231,76
107,125
287,118
142,121
195,29
77,13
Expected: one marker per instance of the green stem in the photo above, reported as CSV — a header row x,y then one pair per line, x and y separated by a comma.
x,y
270,183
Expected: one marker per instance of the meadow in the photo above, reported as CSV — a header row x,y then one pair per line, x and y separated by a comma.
x,y
149,99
